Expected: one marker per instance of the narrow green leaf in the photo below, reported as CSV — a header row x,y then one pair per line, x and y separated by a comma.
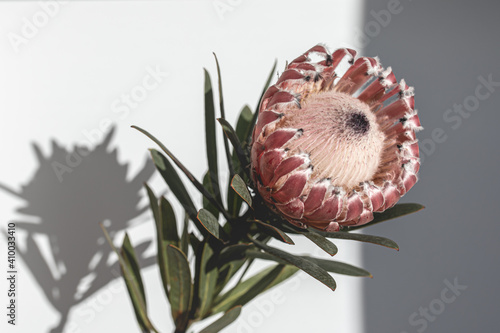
x,y
153,203
240,187
244,123
328,265
226,272
362,238
391,213
195,243
173,180
181,291
223,115
168,222
160,249
206,203
287,272
232,252
340,267
135,289
234,201
307,266
254,119
191,178
258,254
247,290
233,138
210,223
247,268
185,236
227,319
130,260
274,232
322,242
230,260
166,235
207,279
211,138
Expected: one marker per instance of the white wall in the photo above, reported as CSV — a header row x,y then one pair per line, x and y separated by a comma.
x,y
66,78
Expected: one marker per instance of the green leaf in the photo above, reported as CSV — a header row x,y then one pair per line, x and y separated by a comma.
x,y
233,138
160,249
159,157
307,266
268,82
230,259
167,235
227,319
130,260
210,223
362,238
185,236
206,203
258,254
226,272
232,252
181,290
133,281
322,242
207,279
244,124
234,201
223,115
210,138
240,187
168,223
173,180
340,267
274,232
195,243
391,213
247,290
153,203
328,265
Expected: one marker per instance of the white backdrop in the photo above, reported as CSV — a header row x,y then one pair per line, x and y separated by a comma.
x,y
65,72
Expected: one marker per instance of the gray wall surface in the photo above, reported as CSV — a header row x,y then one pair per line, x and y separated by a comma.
x,y
445,277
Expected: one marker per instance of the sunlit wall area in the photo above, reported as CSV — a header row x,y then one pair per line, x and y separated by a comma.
x,y
74,76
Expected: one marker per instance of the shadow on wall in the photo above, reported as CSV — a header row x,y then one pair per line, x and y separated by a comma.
x,y
70,194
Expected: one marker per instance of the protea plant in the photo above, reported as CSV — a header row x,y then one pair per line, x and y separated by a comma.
x,y
333,152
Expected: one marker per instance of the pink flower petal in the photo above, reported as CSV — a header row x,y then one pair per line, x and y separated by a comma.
x,y
268,163
328,211
292,188
293,209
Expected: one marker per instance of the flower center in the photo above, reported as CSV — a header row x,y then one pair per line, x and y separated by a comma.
x,y
358,123
340,135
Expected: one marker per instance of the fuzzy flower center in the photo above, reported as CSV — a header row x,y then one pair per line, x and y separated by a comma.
x,y
340,135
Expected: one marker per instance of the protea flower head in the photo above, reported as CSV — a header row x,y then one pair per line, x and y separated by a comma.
x,y
328,150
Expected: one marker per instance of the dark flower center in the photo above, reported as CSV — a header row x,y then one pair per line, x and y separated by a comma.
x,y
358,123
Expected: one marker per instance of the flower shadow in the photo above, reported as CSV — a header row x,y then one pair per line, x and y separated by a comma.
x,y
69,200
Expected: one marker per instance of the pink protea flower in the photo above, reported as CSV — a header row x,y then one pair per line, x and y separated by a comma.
x,y
329,151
